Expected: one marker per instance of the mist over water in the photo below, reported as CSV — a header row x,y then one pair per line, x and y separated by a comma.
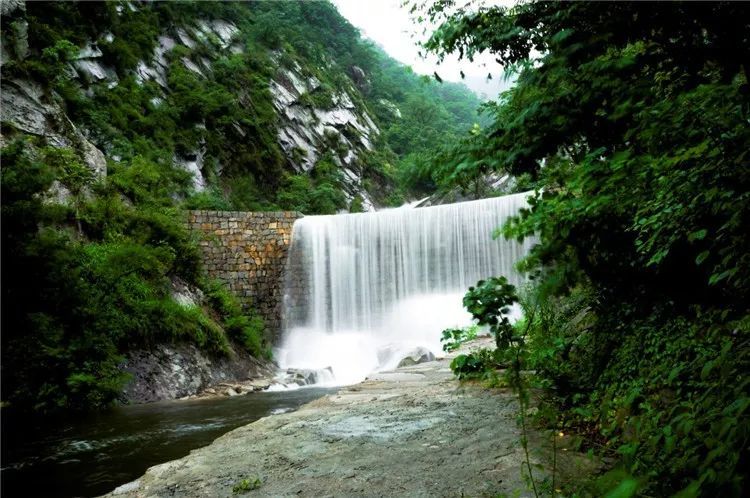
x,y
362,290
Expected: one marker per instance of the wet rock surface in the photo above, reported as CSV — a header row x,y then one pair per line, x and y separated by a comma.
x,y
417,356
412,432
305,376
183,371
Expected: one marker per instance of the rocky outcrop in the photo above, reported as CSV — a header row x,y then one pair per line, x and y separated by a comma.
x,y
89,67
8,7
171,371
305,377
193,164
392,108
28,109
416,356
360,79
392,356
488,185
306,132
314,119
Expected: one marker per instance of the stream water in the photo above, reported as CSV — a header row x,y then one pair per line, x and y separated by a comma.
x,y
91,455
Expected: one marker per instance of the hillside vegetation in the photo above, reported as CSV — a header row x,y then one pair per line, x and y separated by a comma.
x,y
119,115
631,120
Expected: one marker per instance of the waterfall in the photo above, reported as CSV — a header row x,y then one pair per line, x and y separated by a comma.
x,y
364,289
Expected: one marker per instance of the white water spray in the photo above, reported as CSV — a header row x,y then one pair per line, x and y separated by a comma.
x,y
362,290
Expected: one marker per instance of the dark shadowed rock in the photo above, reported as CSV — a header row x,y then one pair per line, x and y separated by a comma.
x,y
360,79
416,356
179,370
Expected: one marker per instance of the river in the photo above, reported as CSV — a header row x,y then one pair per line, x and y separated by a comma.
x,y
91,455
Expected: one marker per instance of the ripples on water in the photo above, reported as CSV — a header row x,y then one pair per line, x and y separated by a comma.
x,y
91,455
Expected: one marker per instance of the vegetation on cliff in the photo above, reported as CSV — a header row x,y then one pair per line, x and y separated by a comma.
x,y
631,120
90,260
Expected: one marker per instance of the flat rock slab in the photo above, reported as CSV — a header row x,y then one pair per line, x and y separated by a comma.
x,y
396,376
396,434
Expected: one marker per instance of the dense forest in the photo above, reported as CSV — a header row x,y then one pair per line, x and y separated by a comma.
x,y
631,122
119,115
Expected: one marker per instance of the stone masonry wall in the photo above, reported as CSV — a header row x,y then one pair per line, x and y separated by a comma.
x,y
247,251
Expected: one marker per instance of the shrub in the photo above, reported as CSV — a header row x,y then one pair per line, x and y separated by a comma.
x,y
245,328
481,364
453,337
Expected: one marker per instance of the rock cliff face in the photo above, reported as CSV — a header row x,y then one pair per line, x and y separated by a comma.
x,y
306,131
176,371
28,109
306,128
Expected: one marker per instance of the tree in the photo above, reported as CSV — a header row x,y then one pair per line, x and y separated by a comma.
x,y
632,120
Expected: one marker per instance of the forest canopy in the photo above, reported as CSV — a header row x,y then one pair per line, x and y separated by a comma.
x,y
630,120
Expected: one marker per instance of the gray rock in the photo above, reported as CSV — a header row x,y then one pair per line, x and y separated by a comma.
x,y
89,51
25,107
192,66
8,7
360,79
176,371
259,384
464,440
305,376
193,164
93,71
186,294
391,107
185,39
306,133
418,355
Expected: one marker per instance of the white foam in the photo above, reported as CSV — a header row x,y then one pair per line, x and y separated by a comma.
x,y
364,290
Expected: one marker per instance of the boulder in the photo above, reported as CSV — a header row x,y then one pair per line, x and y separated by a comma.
x,y
259,384
306,376
360,79
417,355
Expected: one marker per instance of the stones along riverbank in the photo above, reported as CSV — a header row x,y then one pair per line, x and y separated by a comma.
x,y
415,431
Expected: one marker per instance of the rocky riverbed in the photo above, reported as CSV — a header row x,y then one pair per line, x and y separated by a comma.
x,y
415,431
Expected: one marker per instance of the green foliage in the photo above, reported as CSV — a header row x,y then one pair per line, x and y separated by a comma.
x,y
320,98
246,485
228,110
245,328
489,303
318,193
74,303
209,200
356,205
76,299
431,114
632,124
480,365
453,338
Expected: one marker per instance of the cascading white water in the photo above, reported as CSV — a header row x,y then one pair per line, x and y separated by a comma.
x,y
364,289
